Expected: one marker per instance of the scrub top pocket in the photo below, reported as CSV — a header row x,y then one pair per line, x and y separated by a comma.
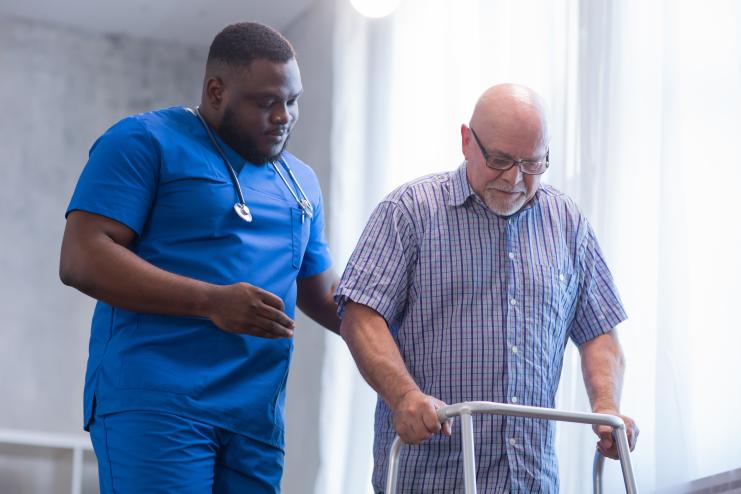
x,y
300,226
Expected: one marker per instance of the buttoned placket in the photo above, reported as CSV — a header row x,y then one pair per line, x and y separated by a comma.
x,y
513,320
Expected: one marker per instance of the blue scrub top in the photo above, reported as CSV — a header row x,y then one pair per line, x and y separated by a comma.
x,y
158,174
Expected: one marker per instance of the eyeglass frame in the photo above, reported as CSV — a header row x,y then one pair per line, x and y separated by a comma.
x,y
512,162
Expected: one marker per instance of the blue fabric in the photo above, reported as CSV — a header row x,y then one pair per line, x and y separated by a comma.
x,y
159,174
152,452
481,307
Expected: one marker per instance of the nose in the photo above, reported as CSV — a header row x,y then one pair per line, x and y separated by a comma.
x,y
513,176
280,116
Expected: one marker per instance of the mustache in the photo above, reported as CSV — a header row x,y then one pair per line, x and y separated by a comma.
x,y
507,189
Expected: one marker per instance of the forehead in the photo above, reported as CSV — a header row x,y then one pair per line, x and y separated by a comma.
x,y
513,141
263,76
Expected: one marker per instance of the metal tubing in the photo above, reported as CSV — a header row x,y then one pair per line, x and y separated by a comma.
x,y
392,476
469,460
624,454
597,466
465,410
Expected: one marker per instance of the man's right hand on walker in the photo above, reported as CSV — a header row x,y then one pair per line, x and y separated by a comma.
x,y
415,417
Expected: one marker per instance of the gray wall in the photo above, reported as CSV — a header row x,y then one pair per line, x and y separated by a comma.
x,y
59,90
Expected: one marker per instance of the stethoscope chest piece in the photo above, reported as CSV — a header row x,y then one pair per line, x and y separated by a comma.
x,y
243,211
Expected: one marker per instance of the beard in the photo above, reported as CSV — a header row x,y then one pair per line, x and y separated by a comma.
x,y
242,143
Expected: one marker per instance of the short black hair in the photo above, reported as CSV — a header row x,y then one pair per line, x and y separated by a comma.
x,y
238,45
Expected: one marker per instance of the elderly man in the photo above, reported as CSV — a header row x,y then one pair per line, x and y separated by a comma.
x,y
466,286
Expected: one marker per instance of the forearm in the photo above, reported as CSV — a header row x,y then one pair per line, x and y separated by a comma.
x,y
110,272
324,313
376,354
603,366
315,299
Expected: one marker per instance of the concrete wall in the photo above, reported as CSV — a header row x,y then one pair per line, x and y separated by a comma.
x,y
59,90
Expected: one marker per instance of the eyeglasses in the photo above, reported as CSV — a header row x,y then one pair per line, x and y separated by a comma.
x,y
503,164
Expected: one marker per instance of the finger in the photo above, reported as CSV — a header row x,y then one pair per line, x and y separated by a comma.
x,y
267,335
273,314
609,453
448,428
410,435
273,328
633,437
270,299
430,420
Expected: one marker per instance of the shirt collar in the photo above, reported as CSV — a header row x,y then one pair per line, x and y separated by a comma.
x,y
235,159
460,188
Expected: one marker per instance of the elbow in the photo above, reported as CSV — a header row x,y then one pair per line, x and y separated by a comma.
x,y
71,272
66,274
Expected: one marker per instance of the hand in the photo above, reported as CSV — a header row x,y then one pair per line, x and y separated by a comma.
x,y
606,445
415,417
246,309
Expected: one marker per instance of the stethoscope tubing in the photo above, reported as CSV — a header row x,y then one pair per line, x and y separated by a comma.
x,y
303,201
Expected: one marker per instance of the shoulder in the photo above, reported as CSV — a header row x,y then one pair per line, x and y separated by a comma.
x,y
552,199
422,194
164,123
149,127
305,175
562,212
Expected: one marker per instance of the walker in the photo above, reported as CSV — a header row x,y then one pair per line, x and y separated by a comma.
x,y
467,409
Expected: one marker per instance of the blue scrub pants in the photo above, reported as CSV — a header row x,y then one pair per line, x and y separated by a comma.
x,y
153,452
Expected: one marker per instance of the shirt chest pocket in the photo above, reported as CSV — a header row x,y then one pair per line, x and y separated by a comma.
x,y
200,196
300,227
552,291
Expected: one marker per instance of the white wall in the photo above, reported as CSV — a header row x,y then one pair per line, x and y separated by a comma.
x,y
59,90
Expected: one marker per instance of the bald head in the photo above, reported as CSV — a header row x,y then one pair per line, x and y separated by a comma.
x,y
510,111
509,123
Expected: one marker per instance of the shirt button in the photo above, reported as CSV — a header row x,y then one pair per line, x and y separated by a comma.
x,y
511,255
514,399
512,441
514,349
560,276
513,301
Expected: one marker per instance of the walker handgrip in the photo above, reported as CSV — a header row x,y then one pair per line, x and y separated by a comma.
x,y
466,409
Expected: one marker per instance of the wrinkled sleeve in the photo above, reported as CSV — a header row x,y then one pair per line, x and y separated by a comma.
x,y
380,271
120,178
598,305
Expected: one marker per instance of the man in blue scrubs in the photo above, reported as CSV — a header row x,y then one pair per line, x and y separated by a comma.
x,y
192,334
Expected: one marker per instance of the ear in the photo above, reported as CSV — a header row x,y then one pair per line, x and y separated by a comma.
x,y
465,140
214,92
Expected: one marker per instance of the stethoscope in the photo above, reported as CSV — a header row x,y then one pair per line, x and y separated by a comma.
x,y
241,206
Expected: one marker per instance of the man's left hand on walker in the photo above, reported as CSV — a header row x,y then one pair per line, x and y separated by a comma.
x,y
606,445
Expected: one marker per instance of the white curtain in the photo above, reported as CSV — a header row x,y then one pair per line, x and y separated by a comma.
x,y
645,107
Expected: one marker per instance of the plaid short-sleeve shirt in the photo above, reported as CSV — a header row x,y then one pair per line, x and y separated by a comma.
x,y
481,308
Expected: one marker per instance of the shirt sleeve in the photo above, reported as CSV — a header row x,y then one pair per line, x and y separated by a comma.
x,y
598,305
380,270
316,257
120,178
